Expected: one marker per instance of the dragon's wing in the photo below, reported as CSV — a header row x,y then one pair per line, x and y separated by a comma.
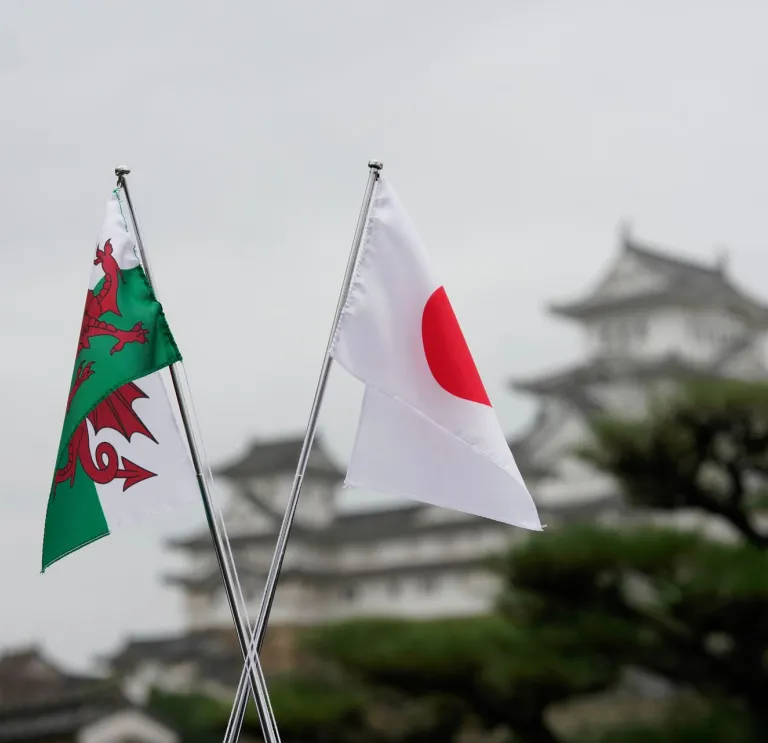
x,y
116,412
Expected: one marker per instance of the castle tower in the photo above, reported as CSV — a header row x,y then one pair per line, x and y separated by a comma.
x,y
652,319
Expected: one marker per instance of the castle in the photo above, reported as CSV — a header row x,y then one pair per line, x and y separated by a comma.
x,y
652,320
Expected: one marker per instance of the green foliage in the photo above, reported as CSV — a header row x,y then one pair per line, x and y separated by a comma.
x,y
195,717
316,710
591,565
489,670
705,447
723,724
308,710
674,603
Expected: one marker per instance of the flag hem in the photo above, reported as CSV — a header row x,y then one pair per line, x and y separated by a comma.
x,y
74,549
408,496
365,244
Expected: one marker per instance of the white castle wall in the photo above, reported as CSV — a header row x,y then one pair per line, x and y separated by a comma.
x,y
401,589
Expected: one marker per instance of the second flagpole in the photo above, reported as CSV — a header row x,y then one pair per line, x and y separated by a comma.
x,y
253,672
241,699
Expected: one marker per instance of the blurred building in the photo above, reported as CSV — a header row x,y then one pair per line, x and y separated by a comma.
x,y
651,320
41,702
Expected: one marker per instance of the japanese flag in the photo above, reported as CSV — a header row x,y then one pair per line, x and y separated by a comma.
x,y
427,429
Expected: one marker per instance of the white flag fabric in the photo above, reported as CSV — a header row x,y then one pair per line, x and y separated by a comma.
x,y
427,429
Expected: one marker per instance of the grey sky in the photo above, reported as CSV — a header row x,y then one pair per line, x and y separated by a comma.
x,y
518,135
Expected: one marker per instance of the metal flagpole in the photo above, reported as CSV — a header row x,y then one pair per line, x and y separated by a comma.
x,y
241,700
254,674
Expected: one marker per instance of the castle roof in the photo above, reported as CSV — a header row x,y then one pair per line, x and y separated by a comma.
x,y
525,444
570,381
59,718
211,581
25,674
352,526
347,527
175,648
39,701
280,456
214,653
667,279
363,527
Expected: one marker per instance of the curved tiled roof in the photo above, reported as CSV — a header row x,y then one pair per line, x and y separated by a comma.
x,y
280,456
39,701
569,381
683,282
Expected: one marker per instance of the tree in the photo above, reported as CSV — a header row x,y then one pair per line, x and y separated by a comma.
x,y
695,610
309,709
195,717
706,448
684,607
317,709
490,673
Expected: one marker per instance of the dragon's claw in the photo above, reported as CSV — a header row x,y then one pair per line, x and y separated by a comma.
x,y
137,334
84,371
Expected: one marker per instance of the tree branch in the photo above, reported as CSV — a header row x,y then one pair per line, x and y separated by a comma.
x,y
737,517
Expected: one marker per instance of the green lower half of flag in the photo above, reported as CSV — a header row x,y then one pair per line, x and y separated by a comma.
x,y
74,517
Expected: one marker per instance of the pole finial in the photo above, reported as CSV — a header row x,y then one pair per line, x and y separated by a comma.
x,y
375,164
120,173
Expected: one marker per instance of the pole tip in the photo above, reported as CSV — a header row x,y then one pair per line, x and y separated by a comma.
x,y
120,172
375,165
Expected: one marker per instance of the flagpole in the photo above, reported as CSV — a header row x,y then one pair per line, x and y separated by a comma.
x,y
254,674
241,700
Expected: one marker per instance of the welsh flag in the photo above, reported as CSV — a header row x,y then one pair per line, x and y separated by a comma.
x,y
427,429
121,456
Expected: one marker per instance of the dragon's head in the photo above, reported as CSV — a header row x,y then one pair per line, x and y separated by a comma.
x,y
101,254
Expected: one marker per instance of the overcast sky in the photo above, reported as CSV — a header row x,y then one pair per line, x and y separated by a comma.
x,y
518,135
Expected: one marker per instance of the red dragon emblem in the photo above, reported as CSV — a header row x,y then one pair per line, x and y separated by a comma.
x,y
116,410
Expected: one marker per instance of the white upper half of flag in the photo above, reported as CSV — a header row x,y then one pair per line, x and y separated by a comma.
x,y
399,335
121,243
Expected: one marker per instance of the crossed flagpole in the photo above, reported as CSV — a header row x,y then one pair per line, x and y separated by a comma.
x,y
252,677
241,699
221,543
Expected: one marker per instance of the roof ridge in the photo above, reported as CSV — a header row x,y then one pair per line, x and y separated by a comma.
x,y
272,455
284,438
670,256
